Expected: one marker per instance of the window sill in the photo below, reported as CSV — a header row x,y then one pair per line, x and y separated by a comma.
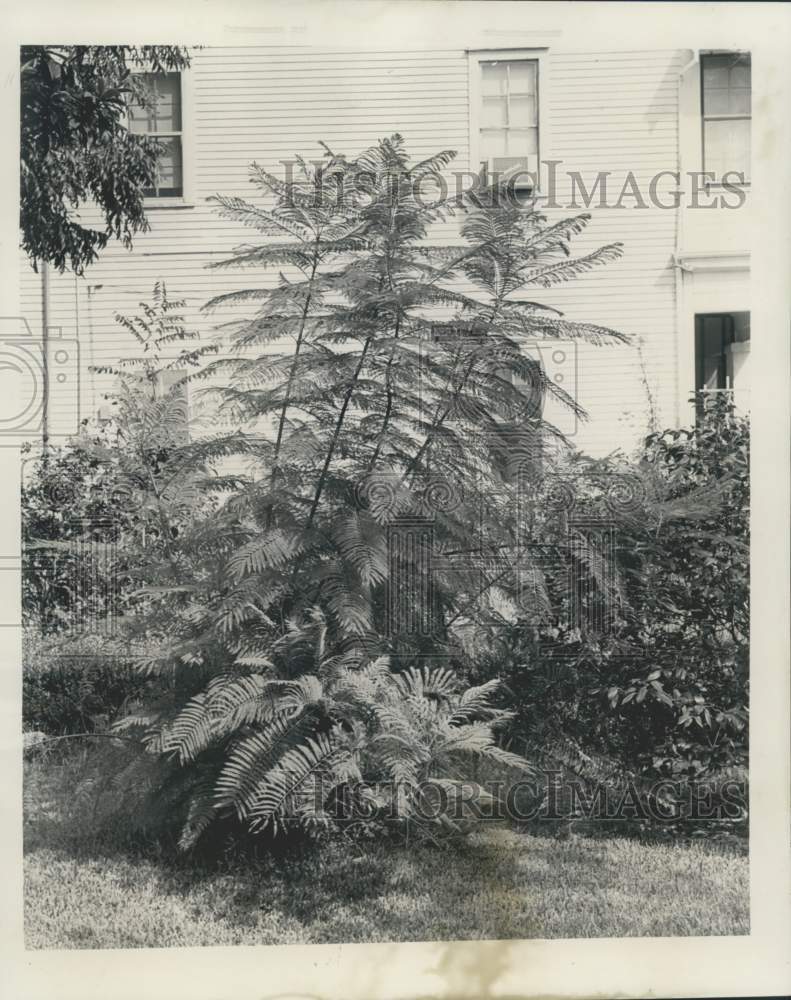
x,y
522,196
731,184
150,204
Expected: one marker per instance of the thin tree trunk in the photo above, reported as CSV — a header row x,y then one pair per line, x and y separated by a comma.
x,y
337,432
390,397
412,467
293,371
289,384
388,383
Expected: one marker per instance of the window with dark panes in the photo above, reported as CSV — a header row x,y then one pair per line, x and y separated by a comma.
x,y
726,94
164,123
722,350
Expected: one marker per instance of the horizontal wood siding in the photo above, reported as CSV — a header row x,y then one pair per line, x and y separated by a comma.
x,y
618,113
607,111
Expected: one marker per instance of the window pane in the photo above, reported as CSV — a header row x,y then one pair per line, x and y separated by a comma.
x,y
711,347
138,119
170,164
741,327
740,75
717,101
523,142
523,111
494,112
739,102
168,113
522,77
738,362
493,143
715,71
494,79
727,146
726,84
507,166
166,91
169,171
727,101
711,377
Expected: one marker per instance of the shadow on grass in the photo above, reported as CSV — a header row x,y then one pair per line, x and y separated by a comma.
x,y
497,884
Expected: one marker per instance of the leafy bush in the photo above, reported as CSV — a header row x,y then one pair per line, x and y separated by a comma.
x,y
95,515
342,744
691,599
271,594
80,686
70,517
272,611
662,693
77,148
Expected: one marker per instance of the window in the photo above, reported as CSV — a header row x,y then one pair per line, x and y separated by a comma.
x,y
506,137
726,95
722,351
163,123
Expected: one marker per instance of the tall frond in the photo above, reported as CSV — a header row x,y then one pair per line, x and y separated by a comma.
x,y
295,768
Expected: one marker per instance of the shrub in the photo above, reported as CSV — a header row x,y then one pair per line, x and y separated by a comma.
x,y
82,686
71,515
96,515
663,693
343,743
278,660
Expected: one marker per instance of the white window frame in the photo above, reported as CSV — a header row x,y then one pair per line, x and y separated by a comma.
x,y
702,54
187,197
699,294
541,57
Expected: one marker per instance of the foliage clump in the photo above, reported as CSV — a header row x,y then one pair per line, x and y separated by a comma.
x,y
658,692
76,148
310,612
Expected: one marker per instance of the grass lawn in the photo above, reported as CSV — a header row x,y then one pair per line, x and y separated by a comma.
x,y
498,884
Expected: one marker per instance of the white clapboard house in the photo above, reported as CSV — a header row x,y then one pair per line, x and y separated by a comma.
x,y
626,134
